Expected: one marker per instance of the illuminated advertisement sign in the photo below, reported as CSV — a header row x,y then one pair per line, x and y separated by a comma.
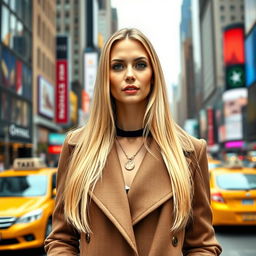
x,y
56,138
62,82
234,101
90,71
250,54
234,56
61,92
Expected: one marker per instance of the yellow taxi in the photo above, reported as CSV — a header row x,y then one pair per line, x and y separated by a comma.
x,y
27,197
233,195
213,163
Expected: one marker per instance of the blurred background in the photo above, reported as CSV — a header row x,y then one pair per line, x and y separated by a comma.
x,y
49,52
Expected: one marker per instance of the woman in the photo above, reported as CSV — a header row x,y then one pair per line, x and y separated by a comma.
x,y
131,182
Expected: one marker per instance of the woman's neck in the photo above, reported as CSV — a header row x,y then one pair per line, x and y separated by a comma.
x,y
130,117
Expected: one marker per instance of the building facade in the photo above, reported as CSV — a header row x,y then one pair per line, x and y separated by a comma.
x,y
44,77
15,80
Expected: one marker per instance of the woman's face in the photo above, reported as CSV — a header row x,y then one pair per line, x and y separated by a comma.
x,y
130,72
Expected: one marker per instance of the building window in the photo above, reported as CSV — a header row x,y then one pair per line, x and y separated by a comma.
x,y
13,32
232,17
5,26
67,14
242,17
222,8
232,7
222,18
38,58
39,26
67,28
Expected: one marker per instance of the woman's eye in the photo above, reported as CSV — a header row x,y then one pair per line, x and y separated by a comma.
x,y
141,65
117,66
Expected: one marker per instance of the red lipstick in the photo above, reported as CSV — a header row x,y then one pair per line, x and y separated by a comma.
x,y
130,89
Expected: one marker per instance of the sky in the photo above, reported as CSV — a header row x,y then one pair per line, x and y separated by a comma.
x,y
159,20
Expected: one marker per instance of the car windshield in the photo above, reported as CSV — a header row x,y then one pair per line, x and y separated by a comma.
x,y
23,186
214,165
236,181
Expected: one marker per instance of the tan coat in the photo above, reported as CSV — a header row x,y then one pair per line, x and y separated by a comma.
x,y
137,223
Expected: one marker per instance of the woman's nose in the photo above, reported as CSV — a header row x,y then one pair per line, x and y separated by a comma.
x,y
129,75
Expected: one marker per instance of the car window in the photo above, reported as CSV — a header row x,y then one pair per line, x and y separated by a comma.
x,y
23,186
212,165
236,181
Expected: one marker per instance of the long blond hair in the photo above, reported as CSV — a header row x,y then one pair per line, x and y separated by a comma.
x,y
91,152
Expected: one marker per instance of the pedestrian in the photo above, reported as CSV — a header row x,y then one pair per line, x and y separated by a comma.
x,y
131,181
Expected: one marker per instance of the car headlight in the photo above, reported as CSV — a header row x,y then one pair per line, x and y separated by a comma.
x,y
30,217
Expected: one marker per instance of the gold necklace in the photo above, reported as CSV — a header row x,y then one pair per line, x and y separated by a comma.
x,y
130,164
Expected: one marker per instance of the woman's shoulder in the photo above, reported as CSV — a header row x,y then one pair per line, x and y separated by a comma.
x,y
74,135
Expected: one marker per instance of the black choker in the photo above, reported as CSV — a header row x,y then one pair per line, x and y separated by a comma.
x,y
122,133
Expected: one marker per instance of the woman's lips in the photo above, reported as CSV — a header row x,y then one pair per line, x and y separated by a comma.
x,y
130,89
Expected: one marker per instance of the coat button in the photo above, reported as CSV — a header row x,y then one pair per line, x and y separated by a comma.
x,y
175,241
87,238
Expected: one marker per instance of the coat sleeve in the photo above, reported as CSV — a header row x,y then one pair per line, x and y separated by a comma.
x,y
199,235
64,239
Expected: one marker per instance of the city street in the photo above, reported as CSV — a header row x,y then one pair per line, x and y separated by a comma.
x,y
235,241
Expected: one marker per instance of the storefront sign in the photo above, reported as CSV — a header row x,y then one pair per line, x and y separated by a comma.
x,y
56,138
16,131
55,149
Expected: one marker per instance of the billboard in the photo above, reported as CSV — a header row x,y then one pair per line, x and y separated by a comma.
x,y
61,92
62,81
234,56
234,101
250,57
45,98
90,71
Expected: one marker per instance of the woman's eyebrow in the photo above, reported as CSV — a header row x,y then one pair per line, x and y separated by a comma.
x,y
136,59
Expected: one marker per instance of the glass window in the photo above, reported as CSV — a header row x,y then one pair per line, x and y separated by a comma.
x,y
4,106
12,30
222,7
23,186
232,7
222,18
8,63
19,112
232,17
38,58
236,181
5,37
19,40
39,26
27,82
27,12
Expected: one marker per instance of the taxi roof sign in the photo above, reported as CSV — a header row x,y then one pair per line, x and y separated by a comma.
x,y
33,163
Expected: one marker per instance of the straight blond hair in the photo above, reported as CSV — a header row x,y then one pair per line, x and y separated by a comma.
x,y
91,152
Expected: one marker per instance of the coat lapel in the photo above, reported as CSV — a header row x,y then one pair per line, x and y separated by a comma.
x,y
151,186
110,196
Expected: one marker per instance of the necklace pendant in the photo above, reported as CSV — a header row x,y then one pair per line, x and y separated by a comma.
x,y
129,165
